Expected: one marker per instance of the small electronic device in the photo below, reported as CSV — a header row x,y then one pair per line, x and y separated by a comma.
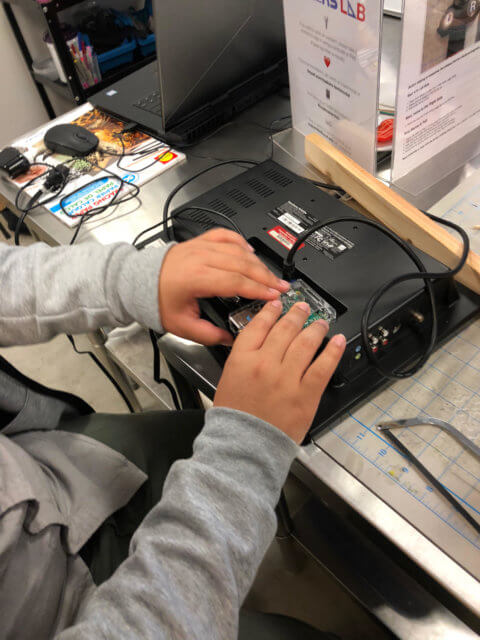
x,y
336,270
70,140
13,162
299,292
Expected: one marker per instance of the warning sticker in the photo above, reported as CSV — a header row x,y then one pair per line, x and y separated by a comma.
x,y
284,237
327,240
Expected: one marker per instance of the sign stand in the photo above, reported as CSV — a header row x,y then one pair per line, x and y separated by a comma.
x,y
334,62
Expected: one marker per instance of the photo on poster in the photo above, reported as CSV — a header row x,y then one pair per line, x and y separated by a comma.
x,y
450,27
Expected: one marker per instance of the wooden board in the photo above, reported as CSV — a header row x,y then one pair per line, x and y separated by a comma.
x,y
391,209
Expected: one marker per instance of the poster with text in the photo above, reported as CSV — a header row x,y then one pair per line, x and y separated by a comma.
x,y
333,58
438,97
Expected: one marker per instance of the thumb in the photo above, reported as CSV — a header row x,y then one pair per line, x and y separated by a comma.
x,y
206,333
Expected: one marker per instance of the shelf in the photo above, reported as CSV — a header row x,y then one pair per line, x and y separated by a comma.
x,y
72,91
59,87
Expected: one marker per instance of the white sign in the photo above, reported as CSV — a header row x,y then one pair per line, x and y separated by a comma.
x,y
333,57
438,96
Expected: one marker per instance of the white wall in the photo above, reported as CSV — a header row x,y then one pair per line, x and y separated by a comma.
x,y
21,108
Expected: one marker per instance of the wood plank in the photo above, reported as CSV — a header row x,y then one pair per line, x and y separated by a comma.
x,y
391,209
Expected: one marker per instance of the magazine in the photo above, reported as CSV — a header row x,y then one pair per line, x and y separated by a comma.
x,y
92,181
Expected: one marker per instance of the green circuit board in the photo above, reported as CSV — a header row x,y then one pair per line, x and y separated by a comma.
x,y
300,291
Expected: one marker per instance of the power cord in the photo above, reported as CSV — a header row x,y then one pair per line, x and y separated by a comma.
x,y
104,370
157,373
423,274
166,218
54,181
32,203
100,209
140,153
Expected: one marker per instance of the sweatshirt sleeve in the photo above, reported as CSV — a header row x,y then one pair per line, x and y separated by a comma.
x,y
76,289
196,554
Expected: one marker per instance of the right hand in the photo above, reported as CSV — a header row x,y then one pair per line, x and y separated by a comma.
x,y
270,373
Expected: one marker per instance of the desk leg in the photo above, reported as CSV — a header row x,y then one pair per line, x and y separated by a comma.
x,y
285,522
293,558
97,340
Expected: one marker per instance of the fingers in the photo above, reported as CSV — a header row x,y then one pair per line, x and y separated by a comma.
x,y
285,331
228,284
254,335
204,332
318,375
249,266
302,350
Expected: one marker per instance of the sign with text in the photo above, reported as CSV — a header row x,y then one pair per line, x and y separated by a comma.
x,y
438,95
333,58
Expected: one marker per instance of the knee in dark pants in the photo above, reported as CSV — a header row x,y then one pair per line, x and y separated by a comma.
x,y
266,626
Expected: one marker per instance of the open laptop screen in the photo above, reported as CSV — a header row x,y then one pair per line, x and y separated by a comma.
x,y
206,47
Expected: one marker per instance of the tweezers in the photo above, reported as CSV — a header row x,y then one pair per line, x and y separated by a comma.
x,y
434,422
385,428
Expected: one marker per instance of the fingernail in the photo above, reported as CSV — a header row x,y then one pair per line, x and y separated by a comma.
x,y
324,324
251,248
275,291
304,306
339,340
277,304
284,284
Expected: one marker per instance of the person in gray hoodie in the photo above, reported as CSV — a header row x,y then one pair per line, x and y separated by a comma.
x,y
75,486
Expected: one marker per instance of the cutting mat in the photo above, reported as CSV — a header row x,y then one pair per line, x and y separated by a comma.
x,y
447,388
462,206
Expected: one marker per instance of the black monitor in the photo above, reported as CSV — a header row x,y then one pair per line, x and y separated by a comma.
x,y
207,47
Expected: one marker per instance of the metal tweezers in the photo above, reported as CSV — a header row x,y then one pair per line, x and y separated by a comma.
x,y
413,422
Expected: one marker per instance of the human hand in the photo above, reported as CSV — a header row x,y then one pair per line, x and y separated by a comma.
x,y
270,373
217,263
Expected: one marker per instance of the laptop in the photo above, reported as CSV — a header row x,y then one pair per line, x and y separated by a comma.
x,y
215,58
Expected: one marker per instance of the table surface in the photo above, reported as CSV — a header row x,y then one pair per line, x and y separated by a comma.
x,y
329,458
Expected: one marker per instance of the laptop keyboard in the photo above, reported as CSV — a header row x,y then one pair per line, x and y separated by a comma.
x,y
151,103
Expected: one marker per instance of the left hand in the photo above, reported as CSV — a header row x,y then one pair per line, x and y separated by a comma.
x,y
217,263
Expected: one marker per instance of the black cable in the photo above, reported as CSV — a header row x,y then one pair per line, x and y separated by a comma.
x,y
4,231
55,186
102,208
43,176
212,212
173,193
141,152
30,206
423,274
326,185
157,371
427,277
104,370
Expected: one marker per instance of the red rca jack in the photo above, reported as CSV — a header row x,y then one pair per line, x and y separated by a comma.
x,y
383,334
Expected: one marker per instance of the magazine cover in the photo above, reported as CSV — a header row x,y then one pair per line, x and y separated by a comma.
x,y
146,159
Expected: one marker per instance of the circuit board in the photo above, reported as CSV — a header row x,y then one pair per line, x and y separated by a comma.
x,y
299,291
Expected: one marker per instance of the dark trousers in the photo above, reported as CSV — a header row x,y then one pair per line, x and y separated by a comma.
x,y
153,442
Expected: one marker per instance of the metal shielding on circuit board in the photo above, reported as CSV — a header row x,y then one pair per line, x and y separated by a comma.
x,y
299,291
